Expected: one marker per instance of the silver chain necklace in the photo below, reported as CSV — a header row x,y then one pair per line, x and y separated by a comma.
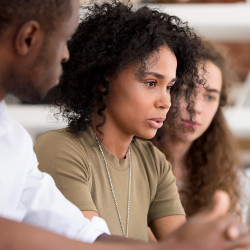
x,y
112,188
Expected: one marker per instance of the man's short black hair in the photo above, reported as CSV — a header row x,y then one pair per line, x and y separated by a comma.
x,y
47,12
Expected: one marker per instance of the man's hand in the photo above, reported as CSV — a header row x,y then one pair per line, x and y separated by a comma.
x,y
212,229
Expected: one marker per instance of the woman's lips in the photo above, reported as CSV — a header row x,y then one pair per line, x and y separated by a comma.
x,y
156,123
190,124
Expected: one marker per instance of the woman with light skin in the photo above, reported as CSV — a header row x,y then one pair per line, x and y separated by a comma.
x,y
202,149
115,90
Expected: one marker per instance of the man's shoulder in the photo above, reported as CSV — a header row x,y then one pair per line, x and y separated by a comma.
x,y
14,133
16,148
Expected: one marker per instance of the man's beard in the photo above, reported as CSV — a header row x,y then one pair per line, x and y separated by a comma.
x,y
27,93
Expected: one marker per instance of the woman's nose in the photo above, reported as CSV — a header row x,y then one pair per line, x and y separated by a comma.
x,y
164,100
198,103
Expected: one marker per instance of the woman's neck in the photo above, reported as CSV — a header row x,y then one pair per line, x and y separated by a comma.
x,y
178,151
114,139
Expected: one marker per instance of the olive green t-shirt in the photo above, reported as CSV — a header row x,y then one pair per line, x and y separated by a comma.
x,y
77,166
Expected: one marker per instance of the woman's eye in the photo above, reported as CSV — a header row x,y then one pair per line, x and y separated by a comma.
x,y
150,83
168,88
210,97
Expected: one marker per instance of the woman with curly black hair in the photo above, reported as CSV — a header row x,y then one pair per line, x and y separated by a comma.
x,y
202,150
116,89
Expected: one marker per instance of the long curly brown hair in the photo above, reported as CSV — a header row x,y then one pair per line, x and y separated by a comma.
x,y
211,161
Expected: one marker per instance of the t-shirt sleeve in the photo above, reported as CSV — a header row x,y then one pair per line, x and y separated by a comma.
x,y
166,201
47,208
60,154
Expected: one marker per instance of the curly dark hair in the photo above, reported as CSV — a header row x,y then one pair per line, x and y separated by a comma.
x,y
211,161
47,12
110,37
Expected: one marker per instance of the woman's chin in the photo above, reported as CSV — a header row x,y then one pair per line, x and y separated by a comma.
x,y
148,136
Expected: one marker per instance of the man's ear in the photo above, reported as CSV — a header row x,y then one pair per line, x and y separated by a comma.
x,y
28,36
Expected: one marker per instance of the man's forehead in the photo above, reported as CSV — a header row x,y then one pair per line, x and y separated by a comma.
x,y
71,23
